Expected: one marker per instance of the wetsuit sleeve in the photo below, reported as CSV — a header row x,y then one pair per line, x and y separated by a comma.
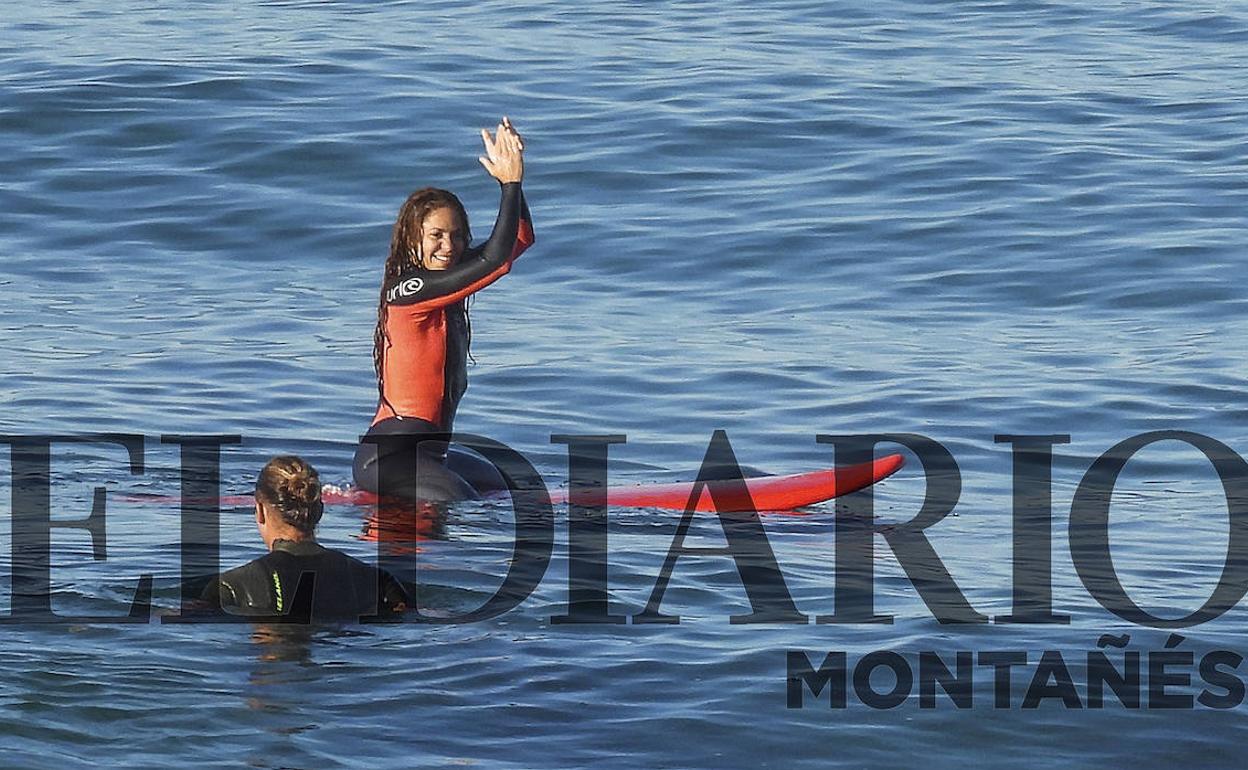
x,y
248,588
479,267
213,593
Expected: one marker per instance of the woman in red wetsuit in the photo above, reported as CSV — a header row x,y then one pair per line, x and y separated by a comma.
x,y
420,346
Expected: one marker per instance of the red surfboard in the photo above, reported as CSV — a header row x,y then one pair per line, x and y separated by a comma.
x,y
761,493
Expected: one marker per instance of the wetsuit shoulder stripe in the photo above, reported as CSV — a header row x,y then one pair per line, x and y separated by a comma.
x,y
277,591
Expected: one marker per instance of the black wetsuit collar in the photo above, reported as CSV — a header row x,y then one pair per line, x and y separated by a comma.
x,y
297,547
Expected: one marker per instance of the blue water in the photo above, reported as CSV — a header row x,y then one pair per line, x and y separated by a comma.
x,y
959,219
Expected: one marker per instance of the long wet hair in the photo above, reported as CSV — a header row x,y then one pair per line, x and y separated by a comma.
x,y
291,486
405,254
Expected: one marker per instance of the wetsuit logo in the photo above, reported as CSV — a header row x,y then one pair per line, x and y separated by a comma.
x,y
405,289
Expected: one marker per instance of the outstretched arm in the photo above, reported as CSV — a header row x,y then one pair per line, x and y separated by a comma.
x,y
476,270
512,234
504,160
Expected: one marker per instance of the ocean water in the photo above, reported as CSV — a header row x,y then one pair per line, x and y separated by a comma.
x,y
780,220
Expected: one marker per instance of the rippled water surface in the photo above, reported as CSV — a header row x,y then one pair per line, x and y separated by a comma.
x,y
779,219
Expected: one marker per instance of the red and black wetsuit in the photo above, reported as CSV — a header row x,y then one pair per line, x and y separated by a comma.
x,y
424,363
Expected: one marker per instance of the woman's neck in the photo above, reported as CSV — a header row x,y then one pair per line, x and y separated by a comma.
x,y
287,533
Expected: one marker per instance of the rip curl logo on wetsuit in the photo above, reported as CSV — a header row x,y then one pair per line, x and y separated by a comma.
x,y
405,289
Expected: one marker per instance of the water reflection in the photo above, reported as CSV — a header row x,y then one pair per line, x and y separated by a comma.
x,y
400,526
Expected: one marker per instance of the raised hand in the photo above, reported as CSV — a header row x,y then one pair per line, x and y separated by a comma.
x,y
504,153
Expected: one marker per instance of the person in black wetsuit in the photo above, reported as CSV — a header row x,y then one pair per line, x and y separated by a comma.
x,y
288,507
420,343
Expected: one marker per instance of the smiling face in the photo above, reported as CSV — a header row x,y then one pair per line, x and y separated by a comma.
x,y
443,239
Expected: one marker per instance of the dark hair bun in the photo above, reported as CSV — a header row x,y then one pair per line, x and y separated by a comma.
x,y
291,485
300,491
